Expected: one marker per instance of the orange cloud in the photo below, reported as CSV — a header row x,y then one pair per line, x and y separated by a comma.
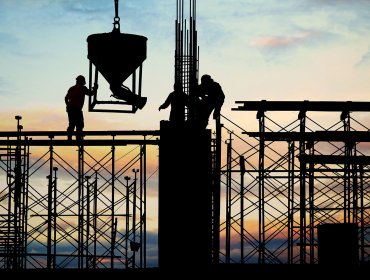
x,y
270,42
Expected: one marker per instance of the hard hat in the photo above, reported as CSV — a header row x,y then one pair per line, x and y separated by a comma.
x,y
205,78
80,78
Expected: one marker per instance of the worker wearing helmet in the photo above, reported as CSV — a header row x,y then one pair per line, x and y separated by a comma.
x,y
210,99
178,100
74,100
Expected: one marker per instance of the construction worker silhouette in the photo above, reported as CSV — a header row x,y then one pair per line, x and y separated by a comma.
x,y
74,100
210,98
178,100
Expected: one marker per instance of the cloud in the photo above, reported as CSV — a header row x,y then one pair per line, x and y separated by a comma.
x,y
283,48
87,10
282,42
278,41
151,249
365,59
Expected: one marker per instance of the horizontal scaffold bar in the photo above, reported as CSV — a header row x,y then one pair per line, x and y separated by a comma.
x,y
52,134
323,106
329,136
95,142
334,159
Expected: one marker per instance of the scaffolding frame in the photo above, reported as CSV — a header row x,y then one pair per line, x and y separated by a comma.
x,y
290,178
88,215
276,186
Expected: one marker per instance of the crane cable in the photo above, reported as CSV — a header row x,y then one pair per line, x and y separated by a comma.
x,y
116,26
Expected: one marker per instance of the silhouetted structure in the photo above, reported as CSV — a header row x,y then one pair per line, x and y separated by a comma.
x,y
90,216
338,244
290,182
294,192
298,188
186,72
185,203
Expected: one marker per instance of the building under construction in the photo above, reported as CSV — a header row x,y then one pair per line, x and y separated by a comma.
x,y
294,192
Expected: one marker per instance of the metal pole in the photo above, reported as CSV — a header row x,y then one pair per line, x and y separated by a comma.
x,y
50,206
80,205
127,178
88,238
311,207
95,216
242,172
112,213
27,165
347,177
144,193
17,196
141,209
290,201
302,192
228,202
10,181
362,223
261,195
134,217
55,214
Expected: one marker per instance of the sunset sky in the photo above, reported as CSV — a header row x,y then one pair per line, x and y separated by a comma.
x,y
291,50
271,49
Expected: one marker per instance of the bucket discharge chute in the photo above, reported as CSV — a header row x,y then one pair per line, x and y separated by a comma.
x,y
117,56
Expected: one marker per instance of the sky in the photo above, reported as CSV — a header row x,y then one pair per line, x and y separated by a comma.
x,y
290,50
274,50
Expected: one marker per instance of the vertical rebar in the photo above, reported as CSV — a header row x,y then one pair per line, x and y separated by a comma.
x,y
216,193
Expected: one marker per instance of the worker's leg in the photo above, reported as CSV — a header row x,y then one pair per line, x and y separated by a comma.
x,y
71,123
79,124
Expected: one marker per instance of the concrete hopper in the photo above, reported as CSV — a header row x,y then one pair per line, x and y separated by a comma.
x,y
116,55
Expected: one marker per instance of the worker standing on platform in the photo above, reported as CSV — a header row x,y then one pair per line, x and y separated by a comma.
x,y
74,100
210,99
178,100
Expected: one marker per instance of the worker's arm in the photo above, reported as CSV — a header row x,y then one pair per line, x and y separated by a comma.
x,y
93,91
166,103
